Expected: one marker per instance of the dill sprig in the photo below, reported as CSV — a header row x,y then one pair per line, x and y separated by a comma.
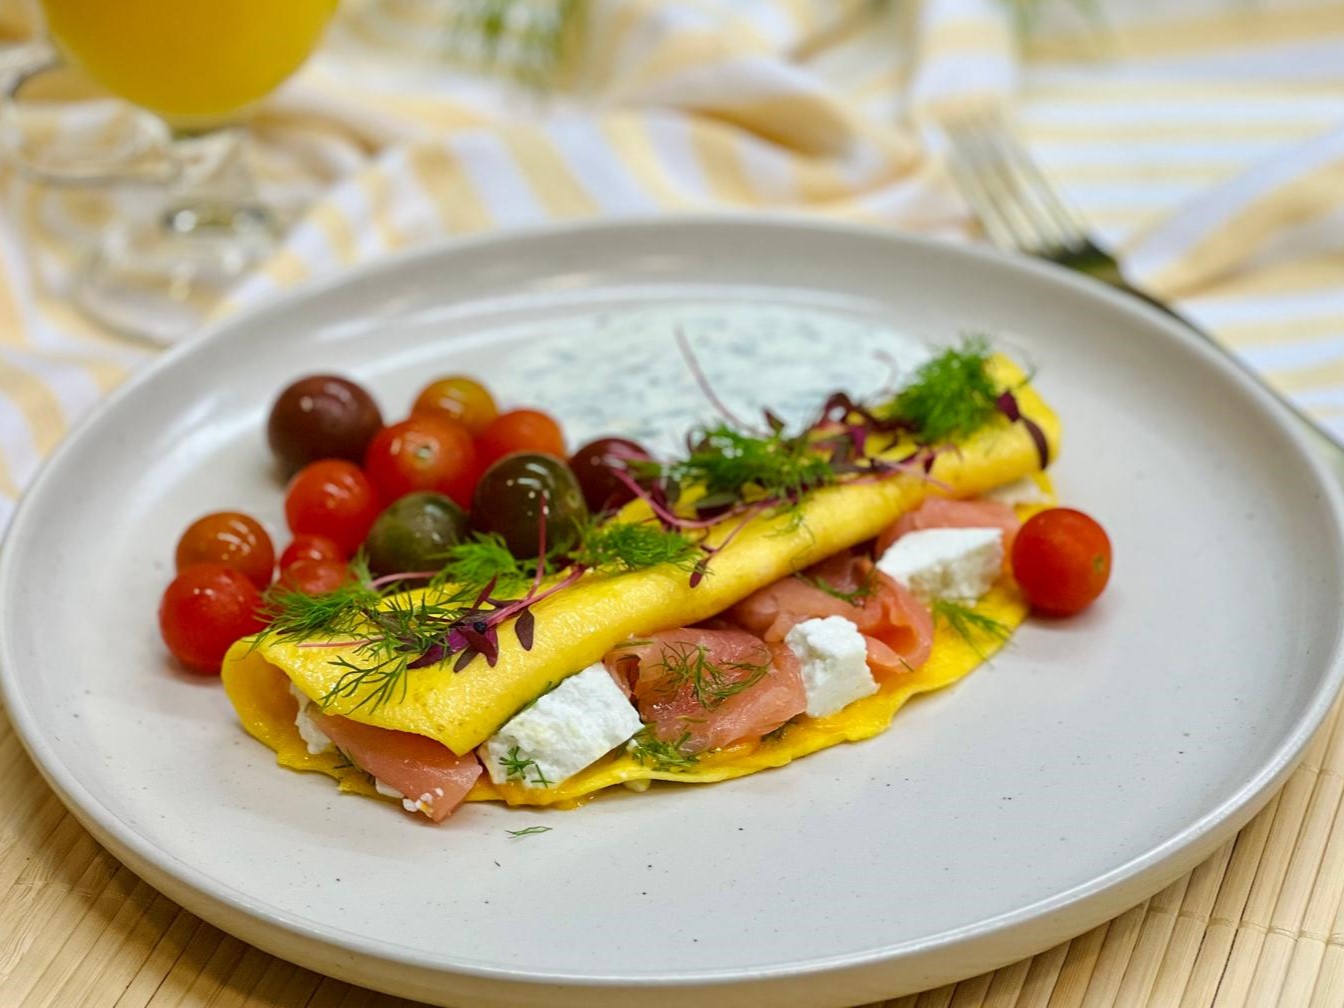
x,y
627,546
854,598
484,560
516,767
733,466
649,750
685,664
529,831
952,395
973,627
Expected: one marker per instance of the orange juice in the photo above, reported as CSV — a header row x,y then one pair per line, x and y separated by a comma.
x,y
188,60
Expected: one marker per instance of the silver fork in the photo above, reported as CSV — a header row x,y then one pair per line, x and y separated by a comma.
x,y
1021,212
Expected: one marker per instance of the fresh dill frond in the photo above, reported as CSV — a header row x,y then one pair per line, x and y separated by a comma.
x,y
649,750
480,560
972,627
952,395
711,683
515,766
735,466
854,598
293,614
529,831
633,546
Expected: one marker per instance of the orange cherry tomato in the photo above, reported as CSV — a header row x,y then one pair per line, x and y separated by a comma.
x,y
423,453
332,498
315,577
1062,560
306,546
459,398
231,538
521,430
207,607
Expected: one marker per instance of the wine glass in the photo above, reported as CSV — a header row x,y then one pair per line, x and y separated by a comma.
x,y
198,68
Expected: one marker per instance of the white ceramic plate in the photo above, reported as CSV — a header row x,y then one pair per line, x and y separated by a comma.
x,y
1094,762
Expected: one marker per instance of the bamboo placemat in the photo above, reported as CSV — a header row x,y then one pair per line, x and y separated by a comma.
x,y
1260,923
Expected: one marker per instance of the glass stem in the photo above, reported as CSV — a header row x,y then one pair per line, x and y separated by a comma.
x,y
215,190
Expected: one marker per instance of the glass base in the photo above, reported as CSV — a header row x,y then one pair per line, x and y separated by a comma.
x,y
161,281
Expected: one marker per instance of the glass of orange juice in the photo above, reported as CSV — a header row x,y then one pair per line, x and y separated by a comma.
x,y
199,66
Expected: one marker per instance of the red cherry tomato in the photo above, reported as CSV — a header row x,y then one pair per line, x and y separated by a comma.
x,y
206,608
306,546
459,398
1062,560
332,498
422,453
521,430
315,577
230,538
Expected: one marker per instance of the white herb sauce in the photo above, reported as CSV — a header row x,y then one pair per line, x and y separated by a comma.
x,y
622,373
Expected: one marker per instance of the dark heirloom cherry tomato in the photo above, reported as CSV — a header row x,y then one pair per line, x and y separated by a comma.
x,y
509,501
306,546
321,416
594,465
332,498
522,430
205,609
423,453
1062,560
414,533
231,538
459,398
315,577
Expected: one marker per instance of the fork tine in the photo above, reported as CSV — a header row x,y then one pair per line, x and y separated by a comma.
x,y
1062,219
973,177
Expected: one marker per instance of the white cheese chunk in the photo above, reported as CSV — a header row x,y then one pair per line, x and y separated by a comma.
x,y
387,790
946,563
313,737
1020,491
573,725
834,663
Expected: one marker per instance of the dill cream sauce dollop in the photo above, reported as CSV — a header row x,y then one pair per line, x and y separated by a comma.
x,y
624,372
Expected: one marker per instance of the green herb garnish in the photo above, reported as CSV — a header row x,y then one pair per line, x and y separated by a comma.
x,y
972,627
733,466
627,546
649,750
952,395
685,664
517,767
530,831
854,598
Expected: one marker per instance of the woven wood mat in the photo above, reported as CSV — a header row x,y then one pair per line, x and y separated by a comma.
x,y
1260,923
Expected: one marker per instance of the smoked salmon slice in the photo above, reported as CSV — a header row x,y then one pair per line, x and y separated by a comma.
x,y
432,777
898,628
705,689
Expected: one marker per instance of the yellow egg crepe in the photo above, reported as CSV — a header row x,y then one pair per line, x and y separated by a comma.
x,y
579,625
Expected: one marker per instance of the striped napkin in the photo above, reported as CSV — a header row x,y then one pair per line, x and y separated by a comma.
x,y
1204,141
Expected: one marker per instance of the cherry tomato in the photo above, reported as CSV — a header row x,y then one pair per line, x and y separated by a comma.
x,y
422,453
595,465
459,398
306,546
332,498
509,501
207,607
321,416
315,577
521,430
230,538
1062,560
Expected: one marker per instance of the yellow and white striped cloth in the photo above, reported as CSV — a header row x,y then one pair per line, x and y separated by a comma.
x,y
1203,140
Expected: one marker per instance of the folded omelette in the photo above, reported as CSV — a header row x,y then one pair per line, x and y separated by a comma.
x,y
578,627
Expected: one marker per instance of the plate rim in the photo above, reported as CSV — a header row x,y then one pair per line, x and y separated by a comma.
x,y
212,900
